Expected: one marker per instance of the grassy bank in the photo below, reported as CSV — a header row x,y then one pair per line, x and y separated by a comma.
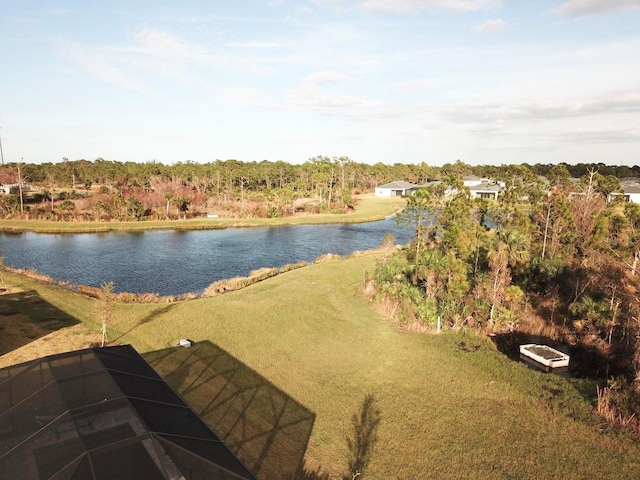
x,y
452,406
369,208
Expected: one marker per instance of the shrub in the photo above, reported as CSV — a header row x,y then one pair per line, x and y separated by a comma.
x,y
329,257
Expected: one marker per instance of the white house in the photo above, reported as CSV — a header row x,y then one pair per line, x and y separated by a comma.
x,y
14,188
630,191
471,180
479,188
395,189
487,190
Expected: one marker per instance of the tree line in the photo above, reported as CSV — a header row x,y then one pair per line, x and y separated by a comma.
x,y
106,189
557,260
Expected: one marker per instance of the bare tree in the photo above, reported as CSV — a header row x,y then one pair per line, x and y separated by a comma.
x,y
105,309
499,278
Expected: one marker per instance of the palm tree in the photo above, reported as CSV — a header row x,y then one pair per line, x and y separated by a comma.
x,y
517,245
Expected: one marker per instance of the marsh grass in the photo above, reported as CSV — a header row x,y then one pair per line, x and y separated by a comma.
x,y
326,258
129,297
37,276
452,405
229,285
613,406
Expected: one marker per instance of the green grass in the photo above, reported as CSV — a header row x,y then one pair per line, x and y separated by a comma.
x,y
24,317
452,406
369,208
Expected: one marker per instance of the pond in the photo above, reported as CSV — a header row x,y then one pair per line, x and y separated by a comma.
x,y
170,262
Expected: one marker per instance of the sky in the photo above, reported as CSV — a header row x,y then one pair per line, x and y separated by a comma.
x,y
487,82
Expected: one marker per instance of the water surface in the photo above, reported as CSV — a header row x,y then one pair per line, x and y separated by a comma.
x,y
171,262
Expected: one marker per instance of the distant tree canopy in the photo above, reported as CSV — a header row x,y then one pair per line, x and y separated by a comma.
x,y
265,175
107,189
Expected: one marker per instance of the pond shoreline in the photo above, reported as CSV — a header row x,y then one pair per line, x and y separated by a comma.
x,y
186,225
376,210
177,261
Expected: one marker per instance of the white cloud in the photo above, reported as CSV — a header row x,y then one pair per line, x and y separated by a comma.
x,y
614,103
255,45
581,8
101,63
419,85
161,44
414,6
490,26
309,95
237,94
151,54
621,135
337,6
319,78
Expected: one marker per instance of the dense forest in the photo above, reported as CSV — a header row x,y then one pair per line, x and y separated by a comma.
x,y
106,189
560,262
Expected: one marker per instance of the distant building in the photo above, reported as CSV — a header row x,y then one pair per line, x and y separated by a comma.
x,y
472,180
396,189
630,190
486,190
479,188
14,188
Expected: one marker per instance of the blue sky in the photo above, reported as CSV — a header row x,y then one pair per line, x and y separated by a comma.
x,y
407,81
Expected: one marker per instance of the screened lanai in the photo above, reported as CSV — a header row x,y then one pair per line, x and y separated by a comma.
x,y
103,413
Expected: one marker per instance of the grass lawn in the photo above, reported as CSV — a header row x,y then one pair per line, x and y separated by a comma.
x,y
305,346
368,208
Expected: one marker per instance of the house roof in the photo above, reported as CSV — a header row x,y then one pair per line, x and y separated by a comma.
x,y
631,189
103,413
630,180
486,187
399,184
543,179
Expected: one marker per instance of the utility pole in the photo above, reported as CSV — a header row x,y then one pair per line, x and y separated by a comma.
x,y
1,154
20,190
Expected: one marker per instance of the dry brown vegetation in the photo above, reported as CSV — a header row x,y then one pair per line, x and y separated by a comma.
x,y
613,410
255,276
